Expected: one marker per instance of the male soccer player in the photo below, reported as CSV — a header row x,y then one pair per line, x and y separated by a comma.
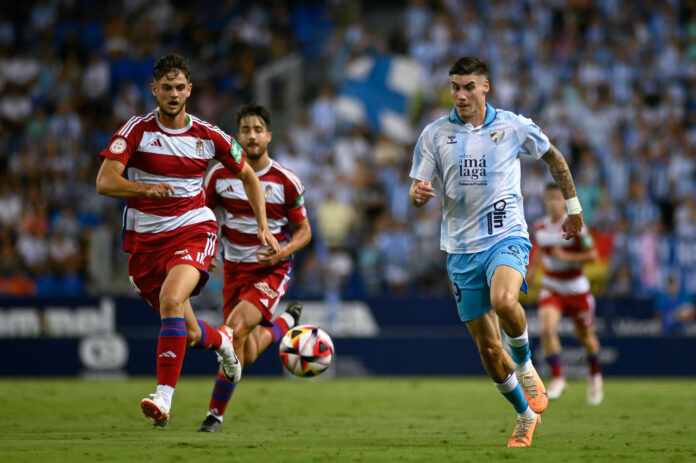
x,y
255,279
169,232
474,152
565,289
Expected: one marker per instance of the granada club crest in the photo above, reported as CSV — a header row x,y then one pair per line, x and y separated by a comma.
x,y
199,148
497,136
267,192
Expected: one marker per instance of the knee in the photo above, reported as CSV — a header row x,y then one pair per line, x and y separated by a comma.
x,y
504,302
171,306
241,331
492,353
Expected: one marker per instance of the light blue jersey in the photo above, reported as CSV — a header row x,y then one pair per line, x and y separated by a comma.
x,y
479,169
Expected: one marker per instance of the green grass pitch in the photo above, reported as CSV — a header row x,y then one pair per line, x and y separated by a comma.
x,y
336,420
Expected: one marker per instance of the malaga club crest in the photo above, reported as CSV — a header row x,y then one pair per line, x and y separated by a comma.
x,y
497,136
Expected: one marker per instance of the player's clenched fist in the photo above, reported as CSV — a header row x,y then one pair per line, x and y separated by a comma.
x,y
572,226
161,190
422,192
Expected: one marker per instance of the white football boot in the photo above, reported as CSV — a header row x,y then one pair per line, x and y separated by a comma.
x,y
556,388
595,390
231,366
156,408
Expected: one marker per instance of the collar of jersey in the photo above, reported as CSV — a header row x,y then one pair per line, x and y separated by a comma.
x,y
490,116
265,170
188,125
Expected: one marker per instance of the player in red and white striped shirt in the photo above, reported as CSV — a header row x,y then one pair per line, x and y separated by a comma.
x,y
255,279
565,289
170,233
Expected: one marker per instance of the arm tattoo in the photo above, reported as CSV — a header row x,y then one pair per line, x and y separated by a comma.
x,y
560,172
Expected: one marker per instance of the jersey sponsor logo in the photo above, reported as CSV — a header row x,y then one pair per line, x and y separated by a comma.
x,y
264,302
199,148
181,252
229,189
236,151
264,288
497,216
451,139
118,146
168,354
472,170
157,142
497,136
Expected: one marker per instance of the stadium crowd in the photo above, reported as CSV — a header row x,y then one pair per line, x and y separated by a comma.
x,y
611,83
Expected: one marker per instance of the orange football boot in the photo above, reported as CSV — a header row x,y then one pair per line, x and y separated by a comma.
x,y
534,390
524,430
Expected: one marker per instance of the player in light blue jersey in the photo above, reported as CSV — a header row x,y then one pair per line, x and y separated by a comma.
x,y
474,153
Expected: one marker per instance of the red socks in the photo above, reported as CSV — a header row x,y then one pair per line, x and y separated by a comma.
x,y
210,338
170,350
222,393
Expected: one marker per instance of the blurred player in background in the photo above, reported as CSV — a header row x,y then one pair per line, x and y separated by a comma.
x,y
169,232
565,289
255,277
474,153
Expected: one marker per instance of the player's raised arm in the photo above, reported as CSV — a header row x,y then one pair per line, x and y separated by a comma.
x,y
561,175
111,182
420,192
252,188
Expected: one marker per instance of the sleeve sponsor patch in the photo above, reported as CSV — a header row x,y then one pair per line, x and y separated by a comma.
x,y
118,146
300,200
236,151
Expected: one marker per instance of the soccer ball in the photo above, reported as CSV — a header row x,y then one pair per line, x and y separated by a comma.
x,y
306,351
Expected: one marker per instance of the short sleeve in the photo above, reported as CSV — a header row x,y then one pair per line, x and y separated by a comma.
x,y
229,152
532,140
424,164
294,198
123,144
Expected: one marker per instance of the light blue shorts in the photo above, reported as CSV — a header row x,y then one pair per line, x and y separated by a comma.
x,y
471,274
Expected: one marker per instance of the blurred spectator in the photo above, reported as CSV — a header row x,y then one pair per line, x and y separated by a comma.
x,y
641,211
674,307
323,112
10,203
685,218
335,219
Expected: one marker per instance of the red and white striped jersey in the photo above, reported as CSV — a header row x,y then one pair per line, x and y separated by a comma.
x,y
561,276
284,194
153,154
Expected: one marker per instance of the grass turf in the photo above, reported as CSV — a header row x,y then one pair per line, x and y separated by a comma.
x,y
356,420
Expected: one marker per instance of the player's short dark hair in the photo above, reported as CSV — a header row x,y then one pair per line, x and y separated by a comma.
x,y
470,65
171,63
253,109
552,186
